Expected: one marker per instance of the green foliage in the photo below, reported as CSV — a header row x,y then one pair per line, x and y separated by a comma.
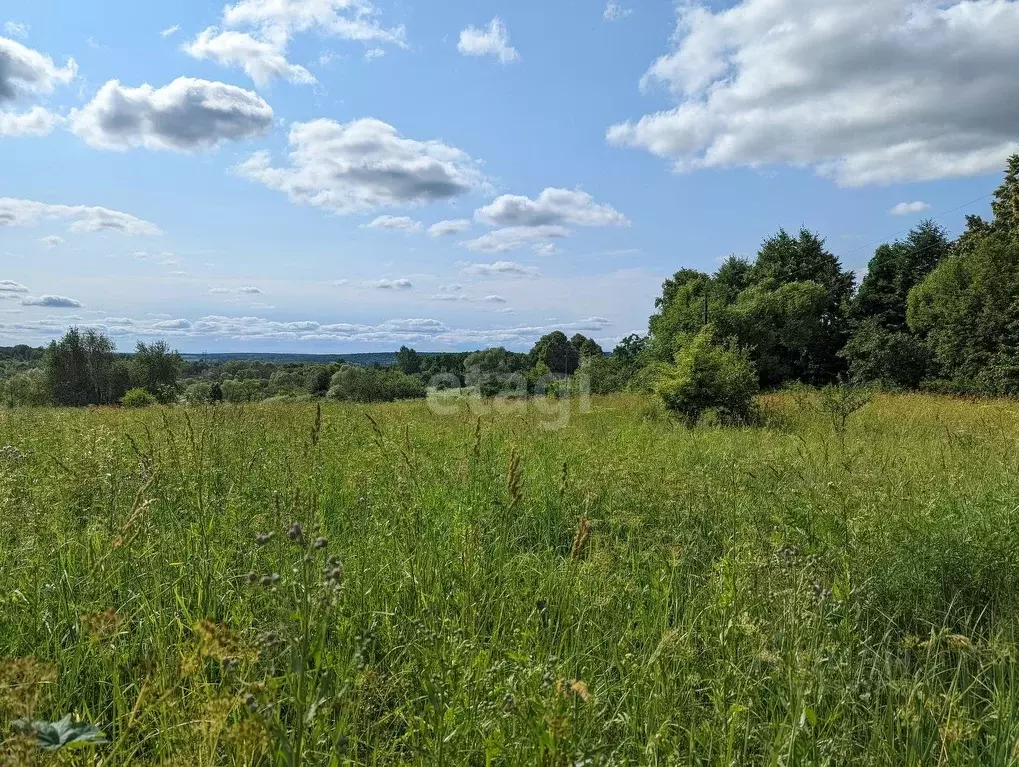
x,y
888,358
408,360
709,375
29,388
138,397
243,390
496,371
586,347
968,312
53,736
357,384
198,393
557,354
82,369
156,368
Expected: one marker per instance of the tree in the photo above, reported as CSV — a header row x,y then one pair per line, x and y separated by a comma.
x,y
156,368
242,389
408,360
138,397
586,347
216,393
360,384
557,353
709,375
493,371
27,388
82,369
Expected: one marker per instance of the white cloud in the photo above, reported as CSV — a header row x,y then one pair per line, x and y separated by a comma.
x,y
493,40
35,122
615,12
251,291
54,302
493,300
52,241
24,71
862,91
515,237
400,284
262,61
547,249
374,53
553,207
402,223
364,165
10,286
450,227
84,218
909,208
499,269
14,29
347,19
170,31
187,115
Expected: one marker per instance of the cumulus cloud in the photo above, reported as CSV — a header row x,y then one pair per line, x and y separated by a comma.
x,y
552,207
374,53
400,284
909,208
170,31
347,19
615,12
24,71
862,91
251,291
363,165
54,302
15,29
402,223
187,115
499,269
83,218
9,287
450,227
261,60
493,40
52,241
515,237
35,122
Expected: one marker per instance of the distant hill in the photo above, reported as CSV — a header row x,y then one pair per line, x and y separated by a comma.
x,y
366,359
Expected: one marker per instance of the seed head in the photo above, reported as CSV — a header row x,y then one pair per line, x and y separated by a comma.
x,y
296,532
321,543
261,540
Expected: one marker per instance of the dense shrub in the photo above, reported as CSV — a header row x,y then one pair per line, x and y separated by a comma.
x,y
138,397
359,384
709,375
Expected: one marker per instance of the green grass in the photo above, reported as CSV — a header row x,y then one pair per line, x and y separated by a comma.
x,y
633,592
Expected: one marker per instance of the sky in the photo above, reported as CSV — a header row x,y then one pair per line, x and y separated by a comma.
x,y
330,176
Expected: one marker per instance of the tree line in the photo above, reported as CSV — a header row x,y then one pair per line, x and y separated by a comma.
x,y
932,313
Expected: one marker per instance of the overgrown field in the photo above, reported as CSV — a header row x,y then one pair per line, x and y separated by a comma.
x,y
624,590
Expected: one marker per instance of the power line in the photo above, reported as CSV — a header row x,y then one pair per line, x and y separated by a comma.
x,y
884,240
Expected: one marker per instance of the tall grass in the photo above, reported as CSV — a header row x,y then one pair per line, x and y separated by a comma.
x,y
483,591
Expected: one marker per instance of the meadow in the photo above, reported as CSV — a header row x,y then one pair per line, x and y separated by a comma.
x,y
283,584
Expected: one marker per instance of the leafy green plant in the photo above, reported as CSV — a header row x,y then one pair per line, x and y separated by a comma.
x,y
138,397
62,734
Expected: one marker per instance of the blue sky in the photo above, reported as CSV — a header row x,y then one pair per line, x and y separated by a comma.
x,y
264,175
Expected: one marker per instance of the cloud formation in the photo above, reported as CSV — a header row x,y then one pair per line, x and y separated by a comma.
x,y
499,269
9,287
24,71
450,227
909,208
363,165
401,223
84,218
52,241
53,302
262,61
401,284
346,19
35,122
170,31
493,40
615,12
516,237
862,91
552,207
187,115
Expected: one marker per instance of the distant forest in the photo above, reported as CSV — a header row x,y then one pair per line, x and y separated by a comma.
x,y
932,314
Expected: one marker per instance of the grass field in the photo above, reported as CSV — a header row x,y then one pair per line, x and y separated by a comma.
x,y
620,591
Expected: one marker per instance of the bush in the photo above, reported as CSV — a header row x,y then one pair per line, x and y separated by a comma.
x,y
198,393
138,397
710,376
357,384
